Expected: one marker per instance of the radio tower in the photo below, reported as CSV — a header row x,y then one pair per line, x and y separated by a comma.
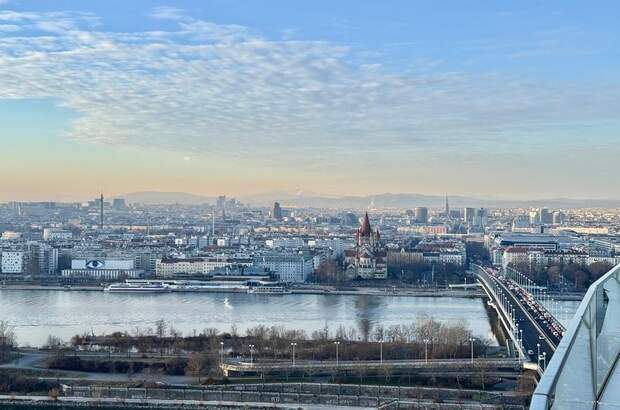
x,y
101,212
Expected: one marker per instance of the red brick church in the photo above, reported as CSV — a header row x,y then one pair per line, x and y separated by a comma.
x,y
368,259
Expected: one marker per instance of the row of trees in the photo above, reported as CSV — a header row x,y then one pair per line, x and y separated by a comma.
x,y
571,276
425,274
412,341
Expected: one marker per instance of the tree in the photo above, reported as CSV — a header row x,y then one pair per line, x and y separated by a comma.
x,y
7,339
160,328
598,269
197,365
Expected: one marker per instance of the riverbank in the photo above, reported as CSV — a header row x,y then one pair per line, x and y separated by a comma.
x,y
306,290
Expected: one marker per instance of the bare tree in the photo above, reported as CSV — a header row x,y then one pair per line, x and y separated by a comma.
x,y
197,365
7,339
160,328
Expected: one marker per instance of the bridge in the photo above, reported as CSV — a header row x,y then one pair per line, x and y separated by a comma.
x,y
533,331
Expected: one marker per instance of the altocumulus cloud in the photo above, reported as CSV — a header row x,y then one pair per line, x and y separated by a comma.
x,y
224,89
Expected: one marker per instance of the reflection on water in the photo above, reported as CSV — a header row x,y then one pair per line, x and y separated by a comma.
x,y
37,314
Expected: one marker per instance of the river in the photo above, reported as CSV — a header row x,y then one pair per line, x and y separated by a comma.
x,y
35,314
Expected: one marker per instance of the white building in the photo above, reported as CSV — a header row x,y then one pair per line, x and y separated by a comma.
x,y
13,261
167,267
289,268
10,235
56,234
284,242
102,269
337,245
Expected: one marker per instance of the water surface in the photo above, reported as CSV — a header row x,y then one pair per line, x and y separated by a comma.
x,y
35,314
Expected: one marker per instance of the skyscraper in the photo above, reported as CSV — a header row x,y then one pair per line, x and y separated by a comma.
x,y
468,215
277,211
480,218
421,214
545,216
119,203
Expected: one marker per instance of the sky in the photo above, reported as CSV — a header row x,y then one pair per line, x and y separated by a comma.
x,y
496,99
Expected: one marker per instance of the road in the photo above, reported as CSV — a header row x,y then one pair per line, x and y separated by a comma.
x,y
33,360
534,333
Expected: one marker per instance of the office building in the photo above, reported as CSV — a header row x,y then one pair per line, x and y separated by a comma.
x,y
13,261
421,214
277,211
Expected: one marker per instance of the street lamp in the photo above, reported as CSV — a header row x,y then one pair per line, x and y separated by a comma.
x,y
221,352
544,361
381,350
426,342
471,339
337,343
538,354
252,355
293,344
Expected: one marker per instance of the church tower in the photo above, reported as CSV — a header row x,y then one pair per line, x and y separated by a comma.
x,y
368,260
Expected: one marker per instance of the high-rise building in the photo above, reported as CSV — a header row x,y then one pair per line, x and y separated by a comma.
x,y
534,217
421,214
350,219
221,201
545,216
447,210
468,215
480,217
558,218
277,211
119,204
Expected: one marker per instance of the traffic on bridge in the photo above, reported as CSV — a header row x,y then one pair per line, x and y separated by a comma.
x,y
535,331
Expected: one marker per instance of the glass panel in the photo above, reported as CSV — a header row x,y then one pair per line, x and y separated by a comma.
x,y
574,386
608,341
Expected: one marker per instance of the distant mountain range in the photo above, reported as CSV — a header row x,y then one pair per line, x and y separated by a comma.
x,y
386,200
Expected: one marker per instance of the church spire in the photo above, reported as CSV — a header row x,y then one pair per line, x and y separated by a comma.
x,y
365,229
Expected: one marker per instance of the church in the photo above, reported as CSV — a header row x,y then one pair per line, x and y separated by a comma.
x,y
368,259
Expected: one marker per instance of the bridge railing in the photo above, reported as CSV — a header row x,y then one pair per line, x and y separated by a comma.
x,y
509,325
584,372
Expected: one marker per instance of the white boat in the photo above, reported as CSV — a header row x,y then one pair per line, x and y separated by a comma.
x,y
137,288
269,290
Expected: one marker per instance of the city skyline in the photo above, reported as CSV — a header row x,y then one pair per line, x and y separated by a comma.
x,y
506,101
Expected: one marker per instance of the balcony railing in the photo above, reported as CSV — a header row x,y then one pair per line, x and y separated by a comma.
x,y
584,372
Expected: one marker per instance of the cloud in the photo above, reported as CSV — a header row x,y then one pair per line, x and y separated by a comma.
x,y
168,13
225,90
